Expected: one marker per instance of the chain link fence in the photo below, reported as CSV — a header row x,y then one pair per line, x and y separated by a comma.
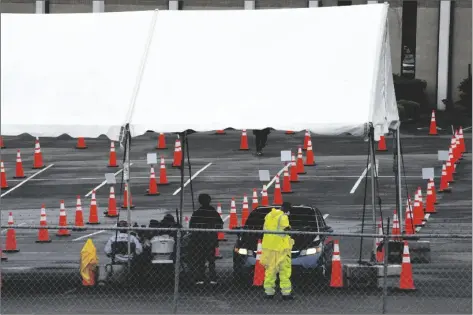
x,y
173,273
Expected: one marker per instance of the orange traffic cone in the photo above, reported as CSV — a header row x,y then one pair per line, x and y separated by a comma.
x,y
233,216
93,210
161,142
244,141
430,202
462,140
294,175
3,258
127,199
396,230
153,185
186,222
406,281
277,201
444,186
382,144
3,177
63,221
81,143
217,253
19,173
379,253
163,177
432,189
449,169
306,140
79,220
409,224
433,125
290,132
300,162
309,158
10,243
177,154
418,210
258,278
43,234
2,144
254,201
112,204
245,212
286,184
38,156
264,197
220,132
221,235
336,280
112,159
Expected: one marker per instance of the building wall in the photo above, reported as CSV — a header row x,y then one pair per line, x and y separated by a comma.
x,y
395,33
271,4
427,45
212,4
135,5
17,6
461,46
70,6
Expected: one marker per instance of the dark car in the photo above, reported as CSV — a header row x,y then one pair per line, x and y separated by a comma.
x,y
310,254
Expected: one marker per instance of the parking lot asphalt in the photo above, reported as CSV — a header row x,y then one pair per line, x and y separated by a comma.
x,y
333,185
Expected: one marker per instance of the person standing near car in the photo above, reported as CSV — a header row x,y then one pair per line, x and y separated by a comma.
x,y
276,255
203,244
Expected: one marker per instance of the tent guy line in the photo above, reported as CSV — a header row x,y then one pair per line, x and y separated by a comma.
x,y
193,176
26,180
103,183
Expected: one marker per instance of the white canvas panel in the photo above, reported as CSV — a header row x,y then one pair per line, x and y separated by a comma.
x,y
69,73
290,69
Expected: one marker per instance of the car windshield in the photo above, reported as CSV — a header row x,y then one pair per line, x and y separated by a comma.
x,y
299,218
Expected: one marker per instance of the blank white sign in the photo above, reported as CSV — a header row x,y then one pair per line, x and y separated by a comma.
x,y
264,175
152,158
286,156
110,178
443,155
428,173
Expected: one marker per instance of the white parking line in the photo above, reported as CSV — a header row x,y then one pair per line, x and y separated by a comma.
x,y
21,183
104,182
88,235
21,224
274,178
193,176
359,179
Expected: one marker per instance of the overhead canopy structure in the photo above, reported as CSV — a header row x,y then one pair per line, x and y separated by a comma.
x,y
327,70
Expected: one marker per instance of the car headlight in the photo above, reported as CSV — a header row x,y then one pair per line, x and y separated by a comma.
x,y
244,251
311,251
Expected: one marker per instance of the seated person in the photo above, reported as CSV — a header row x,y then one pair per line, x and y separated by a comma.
x,y
168,222
118,245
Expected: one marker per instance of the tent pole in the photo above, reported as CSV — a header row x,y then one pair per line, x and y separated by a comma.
x,y
183,161
373,185
399,179
126,173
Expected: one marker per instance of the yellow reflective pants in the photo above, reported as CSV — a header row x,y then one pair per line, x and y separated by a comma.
x,y
277,262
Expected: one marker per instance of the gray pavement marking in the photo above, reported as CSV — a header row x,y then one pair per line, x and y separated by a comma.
x,y
26,180
104,182
357,183
193,176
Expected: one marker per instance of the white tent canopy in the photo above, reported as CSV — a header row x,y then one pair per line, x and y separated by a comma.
x,y
327,70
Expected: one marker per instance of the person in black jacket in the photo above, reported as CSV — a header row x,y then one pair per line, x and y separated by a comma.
x,y
203,244
261,137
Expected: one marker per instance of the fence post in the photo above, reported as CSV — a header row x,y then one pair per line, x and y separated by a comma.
x,y
385,266
177,272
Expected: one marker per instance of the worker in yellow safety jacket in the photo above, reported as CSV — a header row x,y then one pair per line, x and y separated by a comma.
x,y
276,255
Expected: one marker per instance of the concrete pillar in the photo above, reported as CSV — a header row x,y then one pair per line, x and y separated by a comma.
x,y
443,53
173,4
98,6
40,7
314,3
250,4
